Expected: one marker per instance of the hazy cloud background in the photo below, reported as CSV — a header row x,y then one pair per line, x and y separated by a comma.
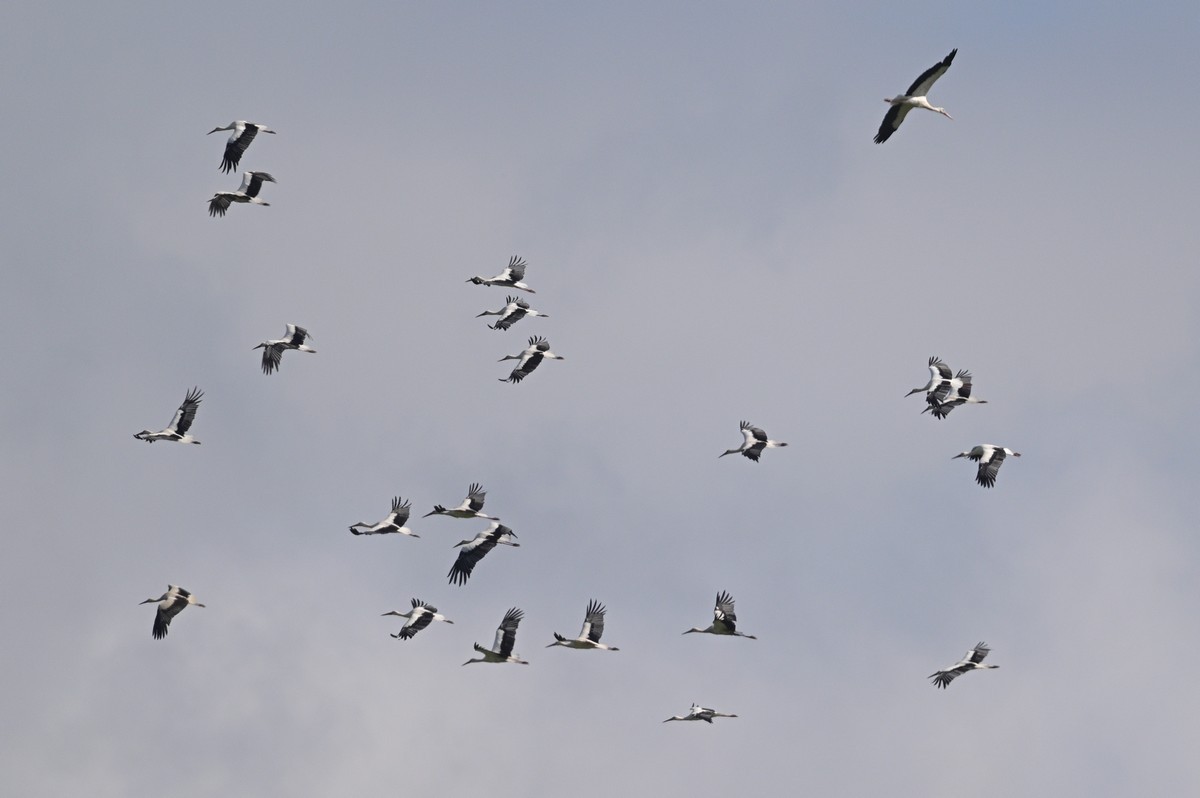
x,y
715,237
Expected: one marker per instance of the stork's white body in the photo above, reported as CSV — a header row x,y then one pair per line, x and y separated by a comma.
x,y
506,638
698,712
510,314
420,616
990,457
529,359
511,277
247,192
589,635
243,133
177,431
901,104
273,349
393,524
473,550
724,619
471,507
972,660
170,604
754,441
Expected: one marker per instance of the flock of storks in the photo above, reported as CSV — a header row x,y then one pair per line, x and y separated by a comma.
x,y
944,391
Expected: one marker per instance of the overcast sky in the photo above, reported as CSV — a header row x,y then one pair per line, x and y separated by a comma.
x,y
715,237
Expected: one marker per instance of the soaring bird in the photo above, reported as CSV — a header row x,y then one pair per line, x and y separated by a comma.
x,y
698,712
177,430
420,616
392,524
951,394
724,619
510,314
273,350
972,660
243,133
529,359
473,550
990,458
511,277
506,638
913,98
938,372
247,192
589,635
170,604
753,443
471,507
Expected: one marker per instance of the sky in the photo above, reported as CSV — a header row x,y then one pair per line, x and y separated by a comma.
x,y
715,237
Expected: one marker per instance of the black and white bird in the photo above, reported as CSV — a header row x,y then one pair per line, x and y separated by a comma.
x,y
506,638
474,550
273,350
589,635
938,372
243,133
247,192
170,604
529,359
724,619
972,660
990,458
914,98
177,430
951,394
471,507
510,314
511,277
394,522
753,443
420,616
698,712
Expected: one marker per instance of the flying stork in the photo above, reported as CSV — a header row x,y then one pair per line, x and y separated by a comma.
x,y
589,635
990,458
170,604
506,638
511,277
755,440
177,430
950,394
473,550
273,350
529,359
471,507
972,660
913,98
420,616
247,192
243,133
393,523
698,712
510,314
724,619
938,372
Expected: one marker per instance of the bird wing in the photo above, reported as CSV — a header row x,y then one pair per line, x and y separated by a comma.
x,y
752,433
989,467
400,512
272,357
506,634
512,315
470,554
891,121
236,146
516,269
939,369
295,335
942,679
924,83
255,183
755,451
161,621
723,614
418,621
219,204
593,622
977,654
475,497
186,412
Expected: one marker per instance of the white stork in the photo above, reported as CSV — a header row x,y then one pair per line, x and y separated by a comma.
x,y
170,604
473,550
972,660
589,635
247,192
529,359
913,98
471,507
724,619
243,133
938,372
753,443
511,277
273,349
392,524
951,394
177,430
506,638
698,712
990,458
510,314
420,616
